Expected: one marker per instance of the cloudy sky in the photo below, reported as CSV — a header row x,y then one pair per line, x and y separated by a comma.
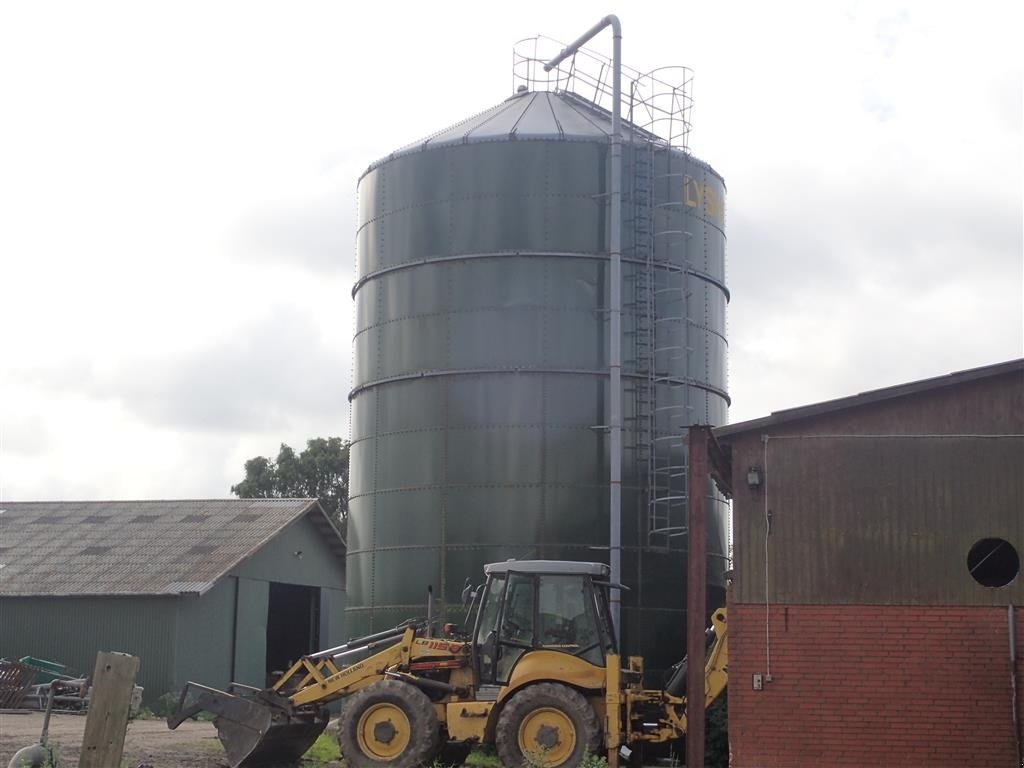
x,y
177,187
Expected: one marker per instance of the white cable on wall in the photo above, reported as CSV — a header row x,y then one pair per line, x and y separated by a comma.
x,y
767,533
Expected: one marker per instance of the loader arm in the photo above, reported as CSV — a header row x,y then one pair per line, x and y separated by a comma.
x,y
276,725
318,680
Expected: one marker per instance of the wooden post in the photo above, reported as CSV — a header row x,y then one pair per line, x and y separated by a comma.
x,y
113,681
696,593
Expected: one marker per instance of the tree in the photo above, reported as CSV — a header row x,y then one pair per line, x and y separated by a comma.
x,y
320,471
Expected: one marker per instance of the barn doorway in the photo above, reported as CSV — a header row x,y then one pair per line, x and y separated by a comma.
x,y
293,626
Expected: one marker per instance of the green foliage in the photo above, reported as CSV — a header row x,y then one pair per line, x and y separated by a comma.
x,y
588,761
49,754
320,471
164,706
324,750
483,757
716,736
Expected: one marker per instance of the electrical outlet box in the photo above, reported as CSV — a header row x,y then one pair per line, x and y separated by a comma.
x,y
758,682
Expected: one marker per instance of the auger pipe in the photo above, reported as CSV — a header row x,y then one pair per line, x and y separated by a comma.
x,y
615,308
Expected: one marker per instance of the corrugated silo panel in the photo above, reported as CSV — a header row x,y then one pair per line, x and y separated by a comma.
x,y
481,372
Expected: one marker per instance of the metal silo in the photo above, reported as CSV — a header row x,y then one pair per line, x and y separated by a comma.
x,y
480,399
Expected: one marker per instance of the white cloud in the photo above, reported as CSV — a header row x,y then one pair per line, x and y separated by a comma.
x,y
178,189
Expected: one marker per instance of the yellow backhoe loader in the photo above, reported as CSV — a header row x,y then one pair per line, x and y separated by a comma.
x,y
540,677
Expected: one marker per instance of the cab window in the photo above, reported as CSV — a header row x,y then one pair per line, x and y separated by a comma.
x,y
516,635
566,620
487,630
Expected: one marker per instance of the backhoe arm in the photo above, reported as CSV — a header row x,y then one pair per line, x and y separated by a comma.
x,y
716,674
660,715
716,667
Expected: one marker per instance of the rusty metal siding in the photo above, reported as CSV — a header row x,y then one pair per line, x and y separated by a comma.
x,y
876,520
72,630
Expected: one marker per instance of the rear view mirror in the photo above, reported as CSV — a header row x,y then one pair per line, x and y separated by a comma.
x,y
467,593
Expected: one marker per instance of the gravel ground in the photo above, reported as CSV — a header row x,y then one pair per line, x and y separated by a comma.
x,y
148,742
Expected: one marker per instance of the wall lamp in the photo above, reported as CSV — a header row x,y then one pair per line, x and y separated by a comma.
x,y
754,478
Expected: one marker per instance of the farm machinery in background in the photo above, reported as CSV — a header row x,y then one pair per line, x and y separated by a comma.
x,y
540,677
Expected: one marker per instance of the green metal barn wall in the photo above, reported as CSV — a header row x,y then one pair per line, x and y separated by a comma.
x,y
203,636
205,632
481,374
73,630
316,565
251,632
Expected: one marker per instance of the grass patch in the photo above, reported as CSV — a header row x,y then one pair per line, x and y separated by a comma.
x,y
212,746
482,758
323,751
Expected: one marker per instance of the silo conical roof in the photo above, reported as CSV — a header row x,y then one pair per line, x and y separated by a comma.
x,y
535,116
531,115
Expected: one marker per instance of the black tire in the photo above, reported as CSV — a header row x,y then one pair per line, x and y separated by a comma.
x,y
453,754
374,717
535,717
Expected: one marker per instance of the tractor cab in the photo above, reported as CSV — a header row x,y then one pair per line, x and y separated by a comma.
x,y
550,605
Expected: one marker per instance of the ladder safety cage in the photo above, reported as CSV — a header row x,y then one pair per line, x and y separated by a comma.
x,y
657,288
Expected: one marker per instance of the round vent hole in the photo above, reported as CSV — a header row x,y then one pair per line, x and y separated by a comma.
x,y
993,562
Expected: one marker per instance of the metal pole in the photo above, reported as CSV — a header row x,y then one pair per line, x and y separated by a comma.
x,y
696,597
615,308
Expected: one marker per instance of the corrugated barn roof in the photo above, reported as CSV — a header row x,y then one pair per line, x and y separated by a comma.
x,y
872,397
138,547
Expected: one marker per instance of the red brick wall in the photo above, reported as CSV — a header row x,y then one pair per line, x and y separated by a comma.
x,y
893,686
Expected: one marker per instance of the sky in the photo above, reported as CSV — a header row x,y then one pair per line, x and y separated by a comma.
x,y
177,188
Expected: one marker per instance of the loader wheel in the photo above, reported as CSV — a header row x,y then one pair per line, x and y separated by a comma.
x,y
453,754
547,724
388,723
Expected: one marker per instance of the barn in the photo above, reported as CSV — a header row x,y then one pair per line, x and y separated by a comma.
x,y
208,590
877,594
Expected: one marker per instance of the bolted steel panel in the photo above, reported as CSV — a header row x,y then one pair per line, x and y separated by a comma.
x,y
481,367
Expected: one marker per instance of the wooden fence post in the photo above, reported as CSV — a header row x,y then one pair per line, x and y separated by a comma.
x,y
112,684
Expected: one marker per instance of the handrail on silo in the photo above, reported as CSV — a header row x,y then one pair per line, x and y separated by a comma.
x,y
615,309
658,101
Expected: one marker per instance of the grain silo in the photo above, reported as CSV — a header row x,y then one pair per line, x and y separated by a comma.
x,y
480,400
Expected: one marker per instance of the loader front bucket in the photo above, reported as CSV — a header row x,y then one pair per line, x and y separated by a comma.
x,y
254,733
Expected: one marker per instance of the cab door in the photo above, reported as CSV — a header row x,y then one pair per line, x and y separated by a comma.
x,y
506,626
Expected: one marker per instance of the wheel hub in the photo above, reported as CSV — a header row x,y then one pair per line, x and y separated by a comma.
x,y
547,737
383,732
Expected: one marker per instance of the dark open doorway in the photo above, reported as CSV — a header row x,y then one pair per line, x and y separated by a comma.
x,y
293,625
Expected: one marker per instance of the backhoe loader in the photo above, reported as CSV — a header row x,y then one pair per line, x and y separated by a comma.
x,y
540,677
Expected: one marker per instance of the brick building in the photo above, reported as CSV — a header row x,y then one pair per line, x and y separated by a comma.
x,y
877,549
